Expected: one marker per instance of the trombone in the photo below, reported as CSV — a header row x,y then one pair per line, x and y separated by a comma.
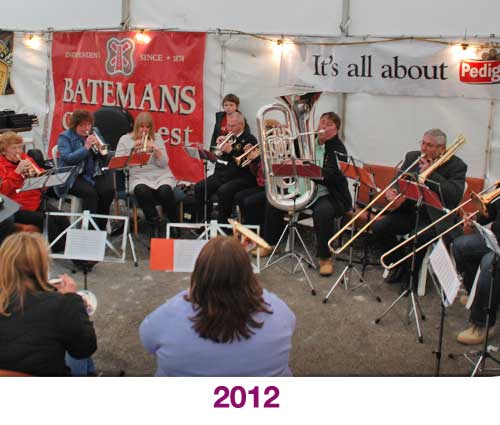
x,y
480,200
421,178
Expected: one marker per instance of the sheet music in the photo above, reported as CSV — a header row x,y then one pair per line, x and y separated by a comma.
x,y
445,272
186,252
85,244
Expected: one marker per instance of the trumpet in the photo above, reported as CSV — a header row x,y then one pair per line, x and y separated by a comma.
x,y
480,200
34,169
243,160
227,140
421,178
100,148
145,144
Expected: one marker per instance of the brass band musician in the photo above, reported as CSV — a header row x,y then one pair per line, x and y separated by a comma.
x,y
15,167
228,178
447,181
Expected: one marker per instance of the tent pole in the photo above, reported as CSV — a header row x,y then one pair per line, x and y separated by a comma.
x,y
344,28
125,22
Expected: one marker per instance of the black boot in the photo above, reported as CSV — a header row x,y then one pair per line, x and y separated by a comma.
x,y
154,227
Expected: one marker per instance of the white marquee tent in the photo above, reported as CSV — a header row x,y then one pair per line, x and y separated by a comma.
x,y
377,128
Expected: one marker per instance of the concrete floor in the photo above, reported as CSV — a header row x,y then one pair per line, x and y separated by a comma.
x,y
338,338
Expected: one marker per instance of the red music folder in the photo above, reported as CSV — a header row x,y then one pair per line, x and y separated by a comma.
x,y
139,159
413,190
302,170
354,172
118,162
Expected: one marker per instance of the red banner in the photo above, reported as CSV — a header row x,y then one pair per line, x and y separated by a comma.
x,y
164,76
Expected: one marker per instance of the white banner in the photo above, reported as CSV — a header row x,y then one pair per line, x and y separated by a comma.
x,y
405,67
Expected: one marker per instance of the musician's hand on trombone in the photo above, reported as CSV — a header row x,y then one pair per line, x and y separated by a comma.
x,y
424,163
392,194
468,221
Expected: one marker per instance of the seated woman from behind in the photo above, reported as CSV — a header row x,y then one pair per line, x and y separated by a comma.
x,y
38,323
224,325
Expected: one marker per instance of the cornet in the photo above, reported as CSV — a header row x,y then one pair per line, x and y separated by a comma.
x,y
144,148
243,160
100,148
34,170
227,140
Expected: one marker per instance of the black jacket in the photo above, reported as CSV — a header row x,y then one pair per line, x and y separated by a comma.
x,y
333,178
35,339
230,170
448,182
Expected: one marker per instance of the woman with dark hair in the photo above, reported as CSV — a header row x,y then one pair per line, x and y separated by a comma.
x,y
39,322
152,184
224,325
79,146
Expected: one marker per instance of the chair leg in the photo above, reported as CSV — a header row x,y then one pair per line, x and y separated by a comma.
x,y
181,212
134,218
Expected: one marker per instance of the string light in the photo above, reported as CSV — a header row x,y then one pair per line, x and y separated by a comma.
x,y
142,37
32,41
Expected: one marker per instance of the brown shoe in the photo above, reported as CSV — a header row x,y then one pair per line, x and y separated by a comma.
x,y
263,252
463,299
326,266
474,335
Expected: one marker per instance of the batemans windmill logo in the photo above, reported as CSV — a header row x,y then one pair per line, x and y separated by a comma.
x,y
483,70
119,56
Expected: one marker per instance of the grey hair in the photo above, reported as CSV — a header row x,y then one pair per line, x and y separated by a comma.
x,y
239,116
438,135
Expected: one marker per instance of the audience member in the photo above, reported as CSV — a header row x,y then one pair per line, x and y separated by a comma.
x,y
224,325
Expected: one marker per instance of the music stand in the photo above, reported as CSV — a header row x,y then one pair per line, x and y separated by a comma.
x,y
52,177
87,222
123,163
294,170
359,176
420,194
198,151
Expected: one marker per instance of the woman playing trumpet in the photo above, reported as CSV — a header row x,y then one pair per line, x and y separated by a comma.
x,y
15,167
90,183
152,184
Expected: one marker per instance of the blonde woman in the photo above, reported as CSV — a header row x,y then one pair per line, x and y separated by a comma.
x,y
39,323
151,184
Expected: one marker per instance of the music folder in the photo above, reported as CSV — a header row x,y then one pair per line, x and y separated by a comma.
x,y
415,191
130,159
301,170
352,171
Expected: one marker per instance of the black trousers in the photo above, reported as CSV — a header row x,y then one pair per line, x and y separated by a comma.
x,y
225,191
55,225
325,210
147,199
385,234
97,199
252,203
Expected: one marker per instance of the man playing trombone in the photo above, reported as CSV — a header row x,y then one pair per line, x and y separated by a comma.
x,y
470,252
228,178
444,175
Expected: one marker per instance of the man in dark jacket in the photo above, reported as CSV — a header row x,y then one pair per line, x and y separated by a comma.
x,y
470,252
447,181
332,199
228,178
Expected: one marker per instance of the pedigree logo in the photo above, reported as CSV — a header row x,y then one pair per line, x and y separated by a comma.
x,y
480,72
119,56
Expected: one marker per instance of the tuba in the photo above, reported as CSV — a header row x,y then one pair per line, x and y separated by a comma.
x,y
277,145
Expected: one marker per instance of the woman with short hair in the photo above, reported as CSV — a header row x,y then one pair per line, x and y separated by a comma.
x,y
224,325
39,322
